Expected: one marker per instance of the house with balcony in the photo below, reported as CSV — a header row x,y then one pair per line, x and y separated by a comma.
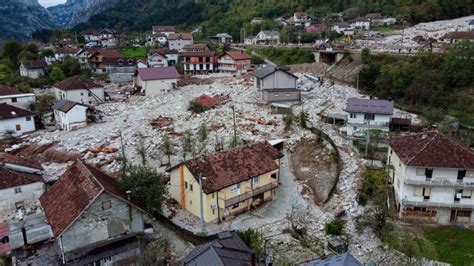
x,y
368,114
234,61
198,59
177,41
433,178
81,91
268,37
301,19
233,181
97,59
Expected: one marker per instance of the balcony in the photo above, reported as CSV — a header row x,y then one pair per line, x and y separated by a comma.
x,y
439,183
247,195
436,204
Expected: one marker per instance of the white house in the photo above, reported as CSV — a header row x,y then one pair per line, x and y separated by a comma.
x,y
33,69
268,37
108,38
81,91
61,53
301,19
361,23
277,84
13,97
157,58
340,27
21,183
369,114
15,121
156,39
70,115
153,81
166,30
433,178
250,40
471,25
141,64
177,41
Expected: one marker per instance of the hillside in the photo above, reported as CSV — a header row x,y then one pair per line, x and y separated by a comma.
x,y
76,11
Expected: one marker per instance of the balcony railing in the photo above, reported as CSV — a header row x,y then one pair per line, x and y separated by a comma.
x,y
437,204
247,195
439,183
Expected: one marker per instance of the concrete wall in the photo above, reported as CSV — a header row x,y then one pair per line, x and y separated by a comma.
x,y
157,87
96,224
81,96
25,125
359,124
211,200
31,73
29,194
271,96
178,44
21,100
278,80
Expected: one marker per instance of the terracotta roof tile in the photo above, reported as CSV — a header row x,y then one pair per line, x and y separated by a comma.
x,y
180,35
10,178
238,55
75,83
21,161
9,112
34,64
74,191
459,35
223,169
5,90
163,28
432,149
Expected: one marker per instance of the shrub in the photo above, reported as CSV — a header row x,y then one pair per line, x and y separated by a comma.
x,y
335,227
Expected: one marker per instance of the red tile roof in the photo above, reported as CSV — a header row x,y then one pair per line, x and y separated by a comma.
x,y
459,35
164,28
432,149
72,194
238,55
10,178
35,64
158,73
21,161
5,90
75,83
107,53
181,35
223,169
9,112
207,101
120,61
67,50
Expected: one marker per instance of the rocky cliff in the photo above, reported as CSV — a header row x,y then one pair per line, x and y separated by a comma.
x,y
19,18
76,11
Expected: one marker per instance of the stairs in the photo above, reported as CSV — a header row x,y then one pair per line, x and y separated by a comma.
x,y
391,202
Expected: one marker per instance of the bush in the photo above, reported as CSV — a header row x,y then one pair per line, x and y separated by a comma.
x,y
334,228
196,107
254,239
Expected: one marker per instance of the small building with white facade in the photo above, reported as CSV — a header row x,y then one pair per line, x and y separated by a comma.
x,y
13,97
433,178
361,23
15,121
81,91
363,114
277,84
177,41
268,37
154,81
33,69
69,115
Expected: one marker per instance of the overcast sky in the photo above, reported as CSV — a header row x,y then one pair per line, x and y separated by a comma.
x,y
47,3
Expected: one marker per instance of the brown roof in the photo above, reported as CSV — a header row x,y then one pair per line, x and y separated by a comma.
x,y
21,161
5,90
223,169
72,194
10,178
106,53
64,105
203,53
9,112
75,83
432,149
158,73
164,28
459,35
238,55
196,46
181,35
34,64
116,61
67,50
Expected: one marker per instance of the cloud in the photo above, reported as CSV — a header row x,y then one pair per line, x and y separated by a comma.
x,y
47,3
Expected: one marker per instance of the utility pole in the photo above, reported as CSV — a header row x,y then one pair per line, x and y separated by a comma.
x,y
203,230
235,126
123,151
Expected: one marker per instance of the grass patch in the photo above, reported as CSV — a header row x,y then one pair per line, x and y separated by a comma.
x,y
139,52
287,56
453,245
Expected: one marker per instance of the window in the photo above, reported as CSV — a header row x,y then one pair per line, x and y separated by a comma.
x,y
353,115
213,195
418,191
89,94
429,173
419,209
466,194
235,206
235,188
82,93
185,184
461,174
14,100
213,211
18,127
420,171
274,176
255,180
17,190
426,193
28,118
191,187
106,204
369,117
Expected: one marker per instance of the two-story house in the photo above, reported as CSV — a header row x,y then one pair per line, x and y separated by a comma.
x,y
177,41
433,178
77,90
457,36
21,183
363,114
277,84
166,30
234,61
83,57
13,97
154,81
33,69
98,57
87,210
121,69
232,181
198,59
108,37
61,53
301,19
156,39
15,121
268,37
158,57
362,23
69,115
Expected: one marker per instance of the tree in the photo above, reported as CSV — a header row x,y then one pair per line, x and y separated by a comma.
x,y
141,148
288,119
47,53
56,75
365,55
254,239
187,141
303,119
167,147
203,133
12,50
334,227
43,104
146,186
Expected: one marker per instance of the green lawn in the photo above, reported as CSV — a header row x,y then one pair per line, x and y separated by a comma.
x,y
139,52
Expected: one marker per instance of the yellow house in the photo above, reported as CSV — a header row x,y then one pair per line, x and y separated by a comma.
x,y
233,181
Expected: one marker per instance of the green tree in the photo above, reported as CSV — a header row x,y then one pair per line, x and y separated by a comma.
x,y
56,75
141,148
288,119
46,53
303,119
167,147
43,104
12,50
146,186
334,227
365,55
254,239
187,141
